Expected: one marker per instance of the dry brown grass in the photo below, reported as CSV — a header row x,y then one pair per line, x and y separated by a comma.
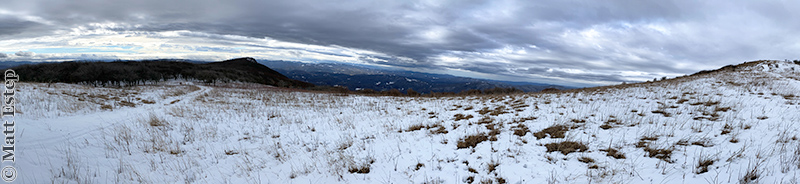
x,y
492,166
498,111
702,165
437,129
566,147
664,154
463,117
662,112
231,152
703,143
156,121
614,153
415,127
726,129
472,140
364,169
106,107
126,103
555,131
586,160
521,130
484,111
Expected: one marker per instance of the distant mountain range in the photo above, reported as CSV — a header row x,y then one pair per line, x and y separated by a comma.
x,y
357,77
272,72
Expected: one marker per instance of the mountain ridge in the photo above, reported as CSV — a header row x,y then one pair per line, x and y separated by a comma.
x,y
123,73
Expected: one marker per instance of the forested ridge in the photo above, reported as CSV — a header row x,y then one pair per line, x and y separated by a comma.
x,y
125,73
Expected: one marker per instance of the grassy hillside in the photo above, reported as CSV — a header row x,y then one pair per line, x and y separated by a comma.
x,y
724,126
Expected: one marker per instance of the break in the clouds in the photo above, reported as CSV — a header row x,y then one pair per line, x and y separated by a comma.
x,y
562,42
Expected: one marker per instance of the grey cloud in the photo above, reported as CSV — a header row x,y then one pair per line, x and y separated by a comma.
x,y
12,25
24,54
698,34
3,55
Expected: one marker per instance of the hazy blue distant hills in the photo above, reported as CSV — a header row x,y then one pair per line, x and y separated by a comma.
x,y
357,77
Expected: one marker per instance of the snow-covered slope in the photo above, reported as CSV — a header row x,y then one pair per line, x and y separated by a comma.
x,y
721,127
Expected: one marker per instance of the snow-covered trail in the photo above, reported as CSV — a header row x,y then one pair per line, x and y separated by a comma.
x,y
42,142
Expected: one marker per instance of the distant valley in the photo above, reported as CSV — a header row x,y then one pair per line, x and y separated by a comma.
x,y
357,77
354,77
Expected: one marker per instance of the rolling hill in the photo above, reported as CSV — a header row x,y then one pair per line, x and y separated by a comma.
x,y
737,124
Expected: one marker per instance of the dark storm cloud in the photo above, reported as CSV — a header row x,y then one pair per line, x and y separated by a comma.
x,y
655,37
11,25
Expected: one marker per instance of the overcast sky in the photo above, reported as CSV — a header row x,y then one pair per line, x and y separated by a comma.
x,y
567,42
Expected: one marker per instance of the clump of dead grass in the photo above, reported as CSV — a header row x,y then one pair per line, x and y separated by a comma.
x,y
472,140
155,121
555,131
614,153
463,117
566,147
521,130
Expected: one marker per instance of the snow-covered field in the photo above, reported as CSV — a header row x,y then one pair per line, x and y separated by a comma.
x,y
739,126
